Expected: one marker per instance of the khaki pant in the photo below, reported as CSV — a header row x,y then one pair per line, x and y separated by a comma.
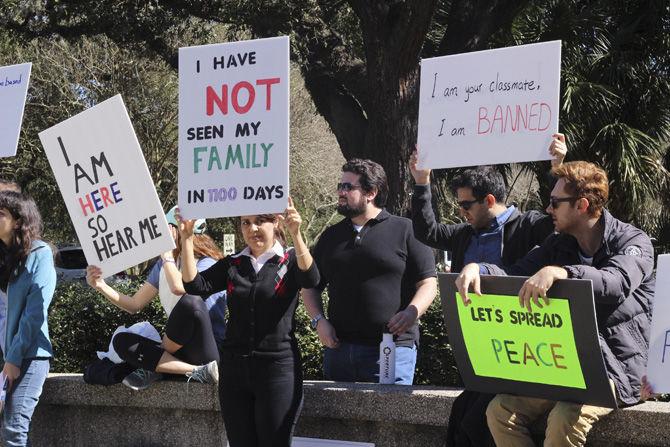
x,y
509,418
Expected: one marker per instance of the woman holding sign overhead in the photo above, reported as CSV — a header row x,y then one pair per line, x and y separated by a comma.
x,y
189,346
27,280
261,384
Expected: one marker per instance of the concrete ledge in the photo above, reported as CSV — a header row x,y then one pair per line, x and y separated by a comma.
x,y
179,414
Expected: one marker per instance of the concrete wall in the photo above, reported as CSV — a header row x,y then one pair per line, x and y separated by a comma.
x,y
178,414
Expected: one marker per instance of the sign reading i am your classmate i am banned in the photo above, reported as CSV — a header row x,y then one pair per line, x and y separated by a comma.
x,y
106,186
489,107
552,352
233,128
658,364
13,90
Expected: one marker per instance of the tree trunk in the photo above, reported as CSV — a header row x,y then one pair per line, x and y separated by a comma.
x,y
393,35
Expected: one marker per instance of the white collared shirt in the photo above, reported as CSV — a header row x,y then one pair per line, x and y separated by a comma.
x,y
257,264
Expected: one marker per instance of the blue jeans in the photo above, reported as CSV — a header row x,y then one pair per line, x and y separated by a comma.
x,y
21,401
360,363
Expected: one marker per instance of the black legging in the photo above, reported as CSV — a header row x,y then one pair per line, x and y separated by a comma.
x,y
189,325
260,399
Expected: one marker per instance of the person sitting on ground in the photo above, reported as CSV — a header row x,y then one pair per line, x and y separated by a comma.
x,y
619,260
189,346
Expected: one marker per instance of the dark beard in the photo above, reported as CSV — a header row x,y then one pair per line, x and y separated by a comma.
x,y
348,211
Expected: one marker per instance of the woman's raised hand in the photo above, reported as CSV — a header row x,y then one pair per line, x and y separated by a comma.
x,y
291,218
94,276
185,225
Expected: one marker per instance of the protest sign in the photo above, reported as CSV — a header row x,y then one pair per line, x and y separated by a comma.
x,y
14,81
658,364
552,352
233,128
106,186
489,107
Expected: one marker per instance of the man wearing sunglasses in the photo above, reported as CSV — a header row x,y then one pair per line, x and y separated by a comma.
x,y
619,260
494,233
379,278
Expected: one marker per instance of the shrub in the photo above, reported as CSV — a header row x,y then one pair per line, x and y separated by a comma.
x,y
82,321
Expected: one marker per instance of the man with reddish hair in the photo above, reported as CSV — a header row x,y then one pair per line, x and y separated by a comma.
x,y
619,260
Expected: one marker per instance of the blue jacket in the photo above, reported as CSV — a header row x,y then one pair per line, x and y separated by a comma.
x,y
28,298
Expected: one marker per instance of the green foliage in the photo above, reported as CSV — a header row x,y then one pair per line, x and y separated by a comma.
x,y
615,95
82,321
310,347
435,364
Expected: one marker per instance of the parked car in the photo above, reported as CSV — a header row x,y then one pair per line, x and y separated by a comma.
x,y
71,264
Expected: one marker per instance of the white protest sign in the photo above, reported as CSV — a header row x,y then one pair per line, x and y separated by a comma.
x,y
658,364
489,107
106,186
13,90
233,128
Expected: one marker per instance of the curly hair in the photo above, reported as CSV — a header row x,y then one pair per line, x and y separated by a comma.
x,y
587,180
29,228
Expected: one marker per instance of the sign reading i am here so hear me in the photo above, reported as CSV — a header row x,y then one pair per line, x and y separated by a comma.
x,y
234,128
552,352
13,90
658,364
106,186
489,107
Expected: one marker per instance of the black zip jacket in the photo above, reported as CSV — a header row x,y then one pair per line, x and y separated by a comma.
x,y
520,233
261,305
623,291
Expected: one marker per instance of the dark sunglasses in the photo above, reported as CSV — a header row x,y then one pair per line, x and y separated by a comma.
x,y
555,201
346,186
467,204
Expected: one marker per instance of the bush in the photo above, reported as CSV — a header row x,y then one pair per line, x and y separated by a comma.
x,y
82,321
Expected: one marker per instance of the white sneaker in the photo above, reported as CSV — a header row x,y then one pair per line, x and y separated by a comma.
x,y
208,373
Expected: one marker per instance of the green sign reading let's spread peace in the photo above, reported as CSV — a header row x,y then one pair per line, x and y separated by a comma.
x,y
506,341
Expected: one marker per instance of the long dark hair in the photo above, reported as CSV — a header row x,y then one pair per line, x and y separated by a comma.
x,y
29,228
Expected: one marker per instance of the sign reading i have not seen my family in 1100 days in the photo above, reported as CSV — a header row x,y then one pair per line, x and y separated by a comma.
x,y
551,352
14,81
233,128
106,186
489,107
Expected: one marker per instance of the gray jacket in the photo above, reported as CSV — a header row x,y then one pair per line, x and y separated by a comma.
x,y
623,290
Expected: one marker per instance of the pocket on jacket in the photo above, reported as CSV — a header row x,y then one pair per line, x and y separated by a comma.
x,y
628,338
